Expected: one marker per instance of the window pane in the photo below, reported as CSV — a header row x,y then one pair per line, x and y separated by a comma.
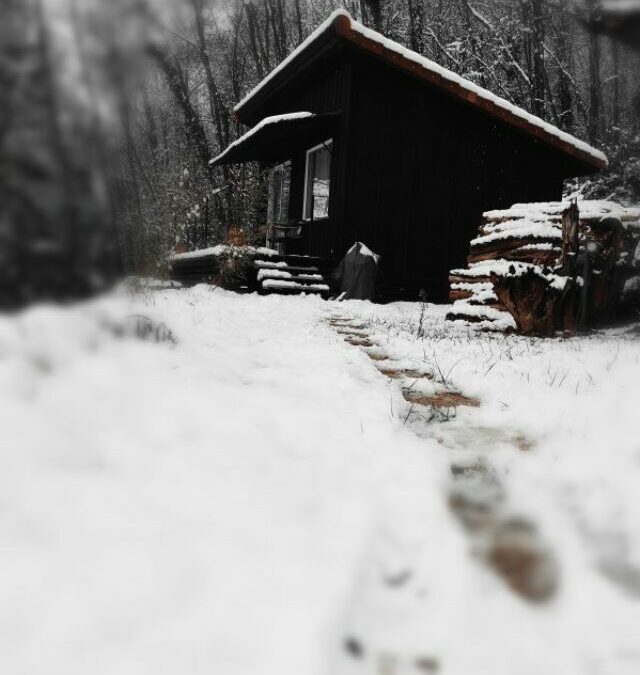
x,y
318,181
279,189
285,191
271,207
321,183
311,162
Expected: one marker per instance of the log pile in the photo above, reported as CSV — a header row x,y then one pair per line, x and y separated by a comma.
x,y
225,265
525,266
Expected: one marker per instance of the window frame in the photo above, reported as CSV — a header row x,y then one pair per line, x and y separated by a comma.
x,y
305,196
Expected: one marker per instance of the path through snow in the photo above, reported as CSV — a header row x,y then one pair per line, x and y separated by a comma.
x,y
253,499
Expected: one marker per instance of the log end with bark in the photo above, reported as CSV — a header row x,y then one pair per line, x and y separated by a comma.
x,y
538,304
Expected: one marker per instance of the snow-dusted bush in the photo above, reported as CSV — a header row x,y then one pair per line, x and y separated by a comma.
x,y
621,180
235,267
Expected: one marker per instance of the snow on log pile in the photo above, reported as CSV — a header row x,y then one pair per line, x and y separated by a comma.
x,y
526,243
222,249
217,264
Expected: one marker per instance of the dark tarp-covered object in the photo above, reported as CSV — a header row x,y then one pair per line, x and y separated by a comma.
x,y
356,273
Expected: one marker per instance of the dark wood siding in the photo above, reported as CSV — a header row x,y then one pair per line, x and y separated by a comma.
x,y
324,88
420,171
325,91
412,169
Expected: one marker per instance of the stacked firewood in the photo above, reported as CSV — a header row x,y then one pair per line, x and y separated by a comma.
x,y
526,264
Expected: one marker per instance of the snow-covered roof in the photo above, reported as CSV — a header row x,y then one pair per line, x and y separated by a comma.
x,y
266,122
345,26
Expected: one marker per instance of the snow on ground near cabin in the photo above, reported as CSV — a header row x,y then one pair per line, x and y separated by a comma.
x,y
248,494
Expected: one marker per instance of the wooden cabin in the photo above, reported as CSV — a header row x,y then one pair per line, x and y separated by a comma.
x,y
369,141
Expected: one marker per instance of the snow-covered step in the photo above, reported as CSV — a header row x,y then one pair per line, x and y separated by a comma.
x,y
286,274
267,265
293,275
293,286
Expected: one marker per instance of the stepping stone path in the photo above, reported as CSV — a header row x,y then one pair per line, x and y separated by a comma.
x,y
447,399
359,342
510,545
393,374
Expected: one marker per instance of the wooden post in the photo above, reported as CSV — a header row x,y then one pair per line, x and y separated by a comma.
x,y
570,225
583,323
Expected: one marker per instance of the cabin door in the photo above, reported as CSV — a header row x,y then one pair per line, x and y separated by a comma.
x,y
317,190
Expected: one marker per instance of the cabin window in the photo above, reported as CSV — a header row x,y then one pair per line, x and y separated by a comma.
x,y
316,182
279,191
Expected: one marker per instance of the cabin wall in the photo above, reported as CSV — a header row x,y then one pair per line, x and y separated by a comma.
x,y
325,89
412,169
420,171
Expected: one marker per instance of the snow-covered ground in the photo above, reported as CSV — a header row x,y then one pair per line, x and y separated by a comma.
x,y
193,481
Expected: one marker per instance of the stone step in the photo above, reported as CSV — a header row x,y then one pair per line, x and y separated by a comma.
x,y
303,277
287,286
293,275
268,265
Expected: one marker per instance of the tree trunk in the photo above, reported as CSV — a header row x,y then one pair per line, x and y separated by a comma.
x,y
255,44
218,113
416,25
564,94
60,149
102,164
282,28
299,20
539,75
595,83
192,122
615,97
533,40
375,9
215,104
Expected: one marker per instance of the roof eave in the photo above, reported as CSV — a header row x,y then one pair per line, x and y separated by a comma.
x,y
340,27
272,139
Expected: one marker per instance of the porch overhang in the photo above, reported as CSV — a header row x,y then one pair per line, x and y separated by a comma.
x,y
278,137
